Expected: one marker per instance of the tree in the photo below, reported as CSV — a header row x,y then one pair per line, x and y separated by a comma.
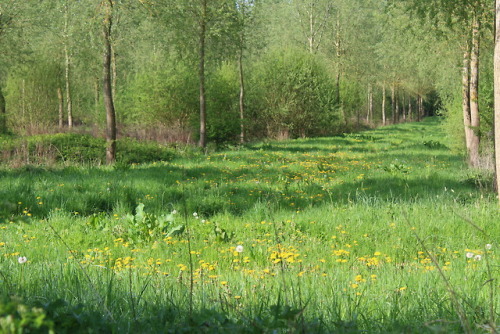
x,y
107,26
496,62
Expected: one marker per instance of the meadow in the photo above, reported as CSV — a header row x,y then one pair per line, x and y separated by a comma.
x,y
384,231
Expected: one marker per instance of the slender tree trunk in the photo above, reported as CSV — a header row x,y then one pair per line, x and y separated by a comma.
x,y
466,98
383,104
338,46
113,71
311,27
474,95
242,92
203,105
3,113
96,105
60,99
496,61
67,67
393,105
397,109
369,115
410,116
106,83
403,105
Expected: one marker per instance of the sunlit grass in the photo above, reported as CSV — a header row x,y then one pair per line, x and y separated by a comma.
x,y
342,234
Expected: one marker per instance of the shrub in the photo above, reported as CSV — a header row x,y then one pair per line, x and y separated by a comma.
x,y
78,148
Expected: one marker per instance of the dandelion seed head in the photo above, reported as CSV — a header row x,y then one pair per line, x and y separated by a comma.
x,y
22,259
469,255
488,246
239,249
477,257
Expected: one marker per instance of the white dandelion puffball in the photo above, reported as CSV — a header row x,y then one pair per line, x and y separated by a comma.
x,y
477,257
239,249
195,215
488,246
469,255
22,259
174,212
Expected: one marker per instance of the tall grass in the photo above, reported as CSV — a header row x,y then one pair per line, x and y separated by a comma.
x,y
361,233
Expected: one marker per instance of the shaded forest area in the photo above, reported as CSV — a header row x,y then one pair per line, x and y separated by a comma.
x,y
229,71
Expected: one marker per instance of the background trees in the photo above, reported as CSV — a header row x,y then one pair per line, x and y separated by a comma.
x,y
234,70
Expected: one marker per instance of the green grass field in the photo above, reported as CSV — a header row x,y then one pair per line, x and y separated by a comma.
x,y
378,232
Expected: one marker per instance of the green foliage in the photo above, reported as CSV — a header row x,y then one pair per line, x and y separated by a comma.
x,y
297,94
139,227
223,124
81,149
16,317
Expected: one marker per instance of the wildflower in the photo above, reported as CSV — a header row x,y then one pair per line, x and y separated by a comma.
x,y
239,249
22,259
195,215
469,255
174,212
477,257
488,246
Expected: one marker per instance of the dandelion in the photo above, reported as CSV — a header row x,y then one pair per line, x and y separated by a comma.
x,y
239,249
477,257
195,215
469,255
488,246
22,259
174,212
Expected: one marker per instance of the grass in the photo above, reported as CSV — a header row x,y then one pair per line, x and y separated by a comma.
x,y
360,233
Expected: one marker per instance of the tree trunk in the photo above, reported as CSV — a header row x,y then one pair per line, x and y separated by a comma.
x,y
496,61
466,98
410,116
113,71
242,92
3,113
96,105
106,83
474,96
311,27
67,67
203,107
396,113
403,105
393,104
369,114
338,46
383,104
60,99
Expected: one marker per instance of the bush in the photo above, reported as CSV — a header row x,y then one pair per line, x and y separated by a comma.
x,y
77,148
298,95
